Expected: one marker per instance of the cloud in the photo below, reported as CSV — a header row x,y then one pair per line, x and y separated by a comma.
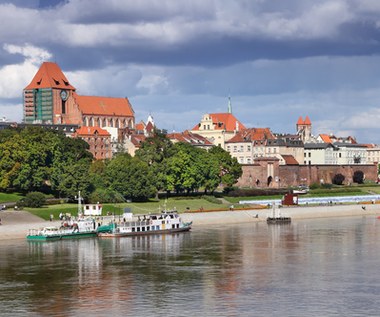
x,y
16,76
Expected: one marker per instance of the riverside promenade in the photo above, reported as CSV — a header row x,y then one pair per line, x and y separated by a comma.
x,y
15,224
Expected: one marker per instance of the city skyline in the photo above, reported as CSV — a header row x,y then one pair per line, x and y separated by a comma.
x,y
177,61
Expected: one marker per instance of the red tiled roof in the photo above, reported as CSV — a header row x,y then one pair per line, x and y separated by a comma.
x,y
252,134
104,105
326,138
140,126
49,75
224,121
289,160
300,120
188,137
137,139
89,131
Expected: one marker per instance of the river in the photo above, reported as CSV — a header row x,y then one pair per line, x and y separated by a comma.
x,y
324,267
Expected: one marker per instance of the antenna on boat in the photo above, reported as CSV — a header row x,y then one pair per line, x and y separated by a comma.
x,y
79,198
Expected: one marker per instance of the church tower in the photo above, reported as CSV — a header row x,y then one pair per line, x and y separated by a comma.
x,y
48,93
304,129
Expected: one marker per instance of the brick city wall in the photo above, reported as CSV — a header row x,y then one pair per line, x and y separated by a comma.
x,y
256,175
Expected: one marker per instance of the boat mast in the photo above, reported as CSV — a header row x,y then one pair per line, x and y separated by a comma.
x,y
79,204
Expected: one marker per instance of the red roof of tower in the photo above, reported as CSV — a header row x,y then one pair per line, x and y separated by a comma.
x,y
300,120
49,75
307,121
104,105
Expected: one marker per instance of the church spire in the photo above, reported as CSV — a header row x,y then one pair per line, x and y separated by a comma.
x,y
229,105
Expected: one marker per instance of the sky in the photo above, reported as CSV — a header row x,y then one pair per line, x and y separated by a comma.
x,y
177,60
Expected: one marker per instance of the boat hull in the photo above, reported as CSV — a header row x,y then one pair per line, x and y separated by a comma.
x,y
279,220
64,236
141,233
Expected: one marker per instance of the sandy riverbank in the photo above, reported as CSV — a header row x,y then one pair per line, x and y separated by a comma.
x,y
15,224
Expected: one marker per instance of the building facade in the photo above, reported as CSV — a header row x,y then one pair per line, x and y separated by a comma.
x,y
50,99
218,127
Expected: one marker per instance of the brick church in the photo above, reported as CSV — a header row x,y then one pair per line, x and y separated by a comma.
x,y
51,99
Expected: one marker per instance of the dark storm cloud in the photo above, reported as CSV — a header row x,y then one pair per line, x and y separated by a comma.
x,y
278,59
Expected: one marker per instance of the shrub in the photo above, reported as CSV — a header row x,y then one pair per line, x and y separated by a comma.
x,y
34,200
314,186
358,177
338,179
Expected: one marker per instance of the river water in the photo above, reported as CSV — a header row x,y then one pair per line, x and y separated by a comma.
x,y
327,267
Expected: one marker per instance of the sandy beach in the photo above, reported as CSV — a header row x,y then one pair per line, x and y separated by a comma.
x,y
15,224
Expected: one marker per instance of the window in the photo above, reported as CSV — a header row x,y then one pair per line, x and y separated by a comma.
x,y
241,148
309,154
248,148
235,148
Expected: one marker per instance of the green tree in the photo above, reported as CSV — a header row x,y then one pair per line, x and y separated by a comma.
x,y
130,177
181,173
155,151
229,168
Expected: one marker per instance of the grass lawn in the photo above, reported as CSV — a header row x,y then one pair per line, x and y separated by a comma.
x,y
180,205
5,198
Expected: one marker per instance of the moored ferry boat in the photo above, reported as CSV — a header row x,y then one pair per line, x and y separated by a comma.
x,y
82,228
166,222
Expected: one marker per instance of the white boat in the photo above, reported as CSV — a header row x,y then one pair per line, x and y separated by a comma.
x,y
165,222
82,228
276,218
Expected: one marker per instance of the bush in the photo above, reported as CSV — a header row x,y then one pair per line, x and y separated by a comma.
x,y
34,200
338,179
314,186
358,177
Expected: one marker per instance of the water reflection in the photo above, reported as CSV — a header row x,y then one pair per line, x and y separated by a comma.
x,y
318,267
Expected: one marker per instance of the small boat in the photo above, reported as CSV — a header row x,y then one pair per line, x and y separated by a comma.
x,y
82,228
165,222
277,218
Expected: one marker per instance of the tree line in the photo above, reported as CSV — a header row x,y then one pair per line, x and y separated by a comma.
x,y
35,159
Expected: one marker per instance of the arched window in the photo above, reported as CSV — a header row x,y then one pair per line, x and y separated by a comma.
x,y
99,122
104,122
117,123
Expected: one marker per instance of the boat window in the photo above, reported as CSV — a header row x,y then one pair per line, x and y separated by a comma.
x,y
147,228
133,229
163,222
138,228
142,228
